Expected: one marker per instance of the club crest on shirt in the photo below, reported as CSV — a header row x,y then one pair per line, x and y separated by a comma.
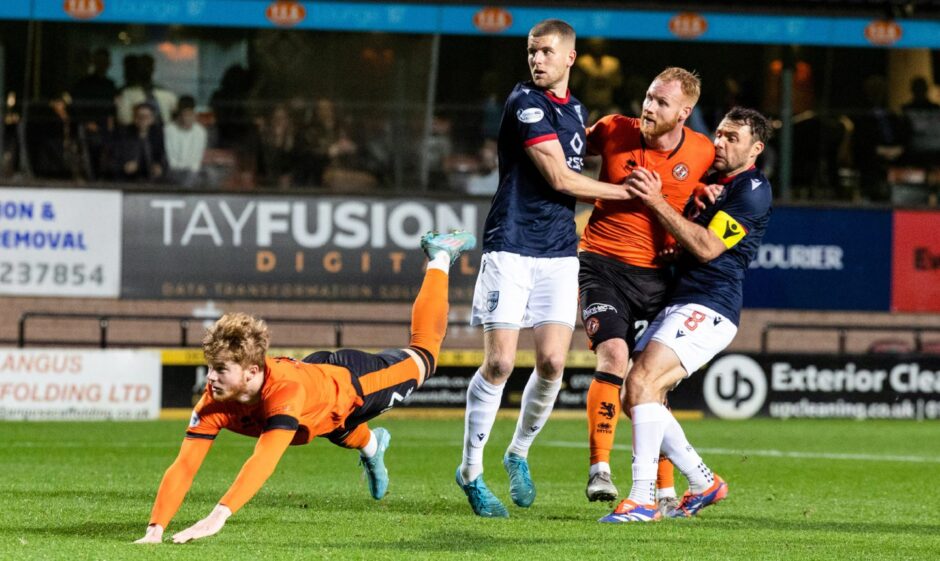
x,y
530,115
492,300
680,171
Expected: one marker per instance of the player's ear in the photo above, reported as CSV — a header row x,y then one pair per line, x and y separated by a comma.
x,y
572,54
757,148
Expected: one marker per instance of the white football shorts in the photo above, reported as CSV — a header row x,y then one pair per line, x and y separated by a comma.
x,y
515,291
694,332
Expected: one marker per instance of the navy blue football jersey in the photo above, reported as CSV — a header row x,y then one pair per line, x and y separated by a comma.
x,y
739,217
527,216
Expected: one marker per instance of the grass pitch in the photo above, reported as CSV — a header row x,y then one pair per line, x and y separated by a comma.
x,y
798,490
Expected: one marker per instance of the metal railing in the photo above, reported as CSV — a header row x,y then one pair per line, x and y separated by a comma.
x,y
184,322
844,329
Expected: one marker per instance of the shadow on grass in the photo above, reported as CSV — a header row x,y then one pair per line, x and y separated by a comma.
x,y
116,531
479,541
736,523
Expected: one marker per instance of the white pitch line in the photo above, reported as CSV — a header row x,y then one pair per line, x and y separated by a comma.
x,y
779,454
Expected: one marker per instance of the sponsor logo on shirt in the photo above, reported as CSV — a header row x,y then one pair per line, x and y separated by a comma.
x,y
531,115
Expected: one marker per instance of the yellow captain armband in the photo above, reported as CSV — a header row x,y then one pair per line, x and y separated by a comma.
x,y
728,230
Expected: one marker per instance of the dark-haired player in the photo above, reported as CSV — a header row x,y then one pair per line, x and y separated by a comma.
x,y
702,314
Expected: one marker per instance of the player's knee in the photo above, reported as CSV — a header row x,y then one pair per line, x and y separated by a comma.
x,y
613,356
551,366
497,368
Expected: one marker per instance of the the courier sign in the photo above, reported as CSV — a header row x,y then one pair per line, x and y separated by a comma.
x,y
792,386
295,248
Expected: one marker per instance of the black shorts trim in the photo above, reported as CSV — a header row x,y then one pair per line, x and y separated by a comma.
x,y
200,436
285,422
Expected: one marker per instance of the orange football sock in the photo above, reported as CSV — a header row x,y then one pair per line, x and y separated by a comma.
x,y
357,438
429,317
603,412
665,477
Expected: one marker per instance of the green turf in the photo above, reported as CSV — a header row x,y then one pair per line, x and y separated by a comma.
x,y
84,491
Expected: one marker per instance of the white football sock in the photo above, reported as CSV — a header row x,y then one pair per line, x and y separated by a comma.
x,y
371,448
441,261
649,423
599,467
538,400
677,448
483,401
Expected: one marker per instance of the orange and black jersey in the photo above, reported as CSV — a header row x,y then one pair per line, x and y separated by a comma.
x,y
627,230
311,399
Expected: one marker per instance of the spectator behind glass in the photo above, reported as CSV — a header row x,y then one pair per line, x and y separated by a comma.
x,y
327,143
486,178
53,150
876,140
139,153
93,107
185,141
922,117
139,88
229,104
279,153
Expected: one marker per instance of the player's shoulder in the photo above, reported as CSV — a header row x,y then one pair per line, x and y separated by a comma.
x,y
619,126
699,143
753,189
526,94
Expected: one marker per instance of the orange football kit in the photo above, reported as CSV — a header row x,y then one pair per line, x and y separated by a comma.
x,y
300,401
628,232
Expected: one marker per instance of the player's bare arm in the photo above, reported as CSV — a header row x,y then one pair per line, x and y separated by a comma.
x,y
697,240
549,158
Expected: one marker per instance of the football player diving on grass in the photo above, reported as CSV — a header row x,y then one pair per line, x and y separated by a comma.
x,y
281,401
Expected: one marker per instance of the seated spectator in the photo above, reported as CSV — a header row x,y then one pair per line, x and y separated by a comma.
x,y
328,144
185,144
138,153
139,88
52,141
279,153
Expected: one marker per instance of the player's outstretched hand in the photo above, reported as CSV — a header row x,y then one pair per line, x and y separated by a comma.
x,y
707,194
206,527
154,534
